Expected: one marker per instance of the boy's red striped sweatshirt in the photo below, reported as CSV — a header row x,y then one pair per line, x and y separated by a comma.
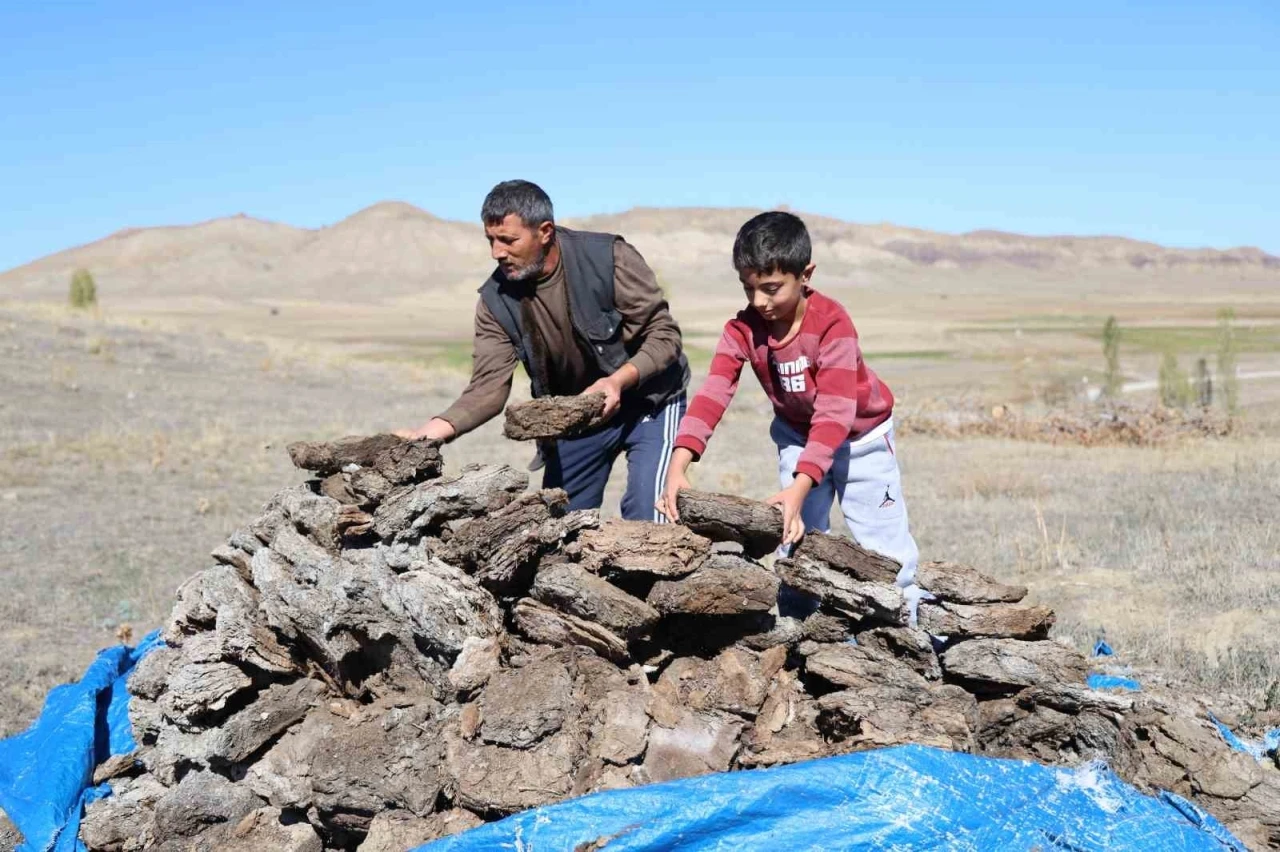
x,y
817,382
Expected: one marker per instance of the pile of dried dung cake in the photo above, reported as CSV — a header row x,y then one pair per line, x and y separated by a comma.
x,y
388,655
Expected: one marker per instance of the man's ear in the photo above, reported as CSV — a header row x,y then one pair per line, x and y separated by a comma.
x,y
546,233
808,273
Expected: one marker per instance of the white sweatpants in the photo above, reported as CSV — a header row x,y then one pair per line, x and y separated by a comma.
x,y
865,482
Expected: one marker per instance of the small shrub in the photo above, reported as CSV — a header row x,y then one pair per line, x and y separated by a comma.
x,y
1175,387
1204,383
1111,352
1228,350
84,292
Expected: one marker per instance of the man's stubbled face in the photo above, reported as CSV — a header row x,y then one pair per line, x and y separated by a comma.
x,y
519,250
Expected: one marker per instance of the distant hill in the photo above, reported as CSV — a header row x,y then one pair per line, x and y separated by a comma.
x,y
394,250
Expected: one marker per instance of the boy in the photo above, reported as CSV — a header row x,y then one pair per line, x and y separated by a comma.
x,y
833,416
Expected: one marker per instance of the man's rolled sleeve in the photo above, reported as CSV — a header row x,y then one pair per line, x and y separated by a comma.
x,y
493,362
646,317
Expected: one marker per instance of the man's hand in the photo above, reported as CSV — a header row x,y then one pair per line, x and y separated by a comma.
x,y
676,481
435,429
790,500
612,388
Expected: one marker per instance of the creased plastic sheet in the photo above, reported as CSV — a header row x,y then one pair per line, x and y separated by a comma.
x,y
1115,682
1259,749
46,772
904,798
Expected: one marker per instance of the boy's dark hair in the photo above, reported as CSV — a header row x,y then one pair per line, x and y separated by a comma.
x,y
521,197
772,242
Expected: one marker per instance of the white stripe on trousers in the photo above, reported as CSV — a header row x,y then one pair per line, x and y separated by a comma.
x,y
669,426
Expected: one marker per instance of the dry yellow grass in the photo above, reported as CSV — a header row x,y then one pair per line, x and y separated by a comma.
x,y
131,445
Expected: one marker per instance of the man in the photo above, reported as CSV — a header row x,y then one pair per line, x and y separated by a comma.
x,y
583,313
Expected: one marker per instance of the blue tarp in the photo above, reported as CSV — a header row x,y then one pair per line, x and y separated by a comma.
x,y
904,798
1109,681
1268,745
46,772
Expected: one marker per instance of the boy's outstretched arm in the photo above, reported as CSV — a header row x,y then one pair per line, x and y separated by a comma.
x,y
705,411
790,501
835,405
677,480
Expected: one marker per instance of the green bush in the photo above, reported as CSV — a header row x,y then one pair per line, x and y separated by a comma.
x,y
84,292
1111,351
1228,350
1203,383
1175,387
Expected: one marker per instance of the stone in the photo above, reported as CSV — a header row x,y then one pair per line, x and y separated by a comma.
x,y
199,691
397,460
122,821
501,549
1006,665
956,583
621,730
724,517
553,417
571,589
397,831
843,595
785,730
943,716
858,666
492,779
383,757
726,585
202,799
478,660
267,830
699,743
413,511
846,556
548,626
997,621
521,706
668,551
735,681
909,644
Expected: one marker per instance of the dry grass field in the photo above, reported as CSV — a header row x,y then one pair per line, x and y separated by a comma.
x,y
135,439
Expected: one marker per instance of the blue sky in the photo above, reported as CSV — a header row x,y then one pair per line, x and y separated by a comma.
x,y
1157,120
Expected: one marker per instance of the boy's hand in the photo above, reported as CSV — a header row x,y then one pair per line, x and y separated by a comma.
x,y
790,500
676,480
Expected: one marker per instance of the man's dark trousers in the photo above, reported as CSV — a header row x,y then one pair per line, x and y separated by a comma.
x,y
581,466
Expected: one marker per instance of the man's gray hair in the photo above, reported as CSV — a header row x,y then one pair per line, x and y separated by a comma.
x,y
521,197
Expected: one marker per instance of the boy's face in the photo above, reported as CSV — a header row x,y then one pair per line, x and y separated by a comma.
x,y
775,295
